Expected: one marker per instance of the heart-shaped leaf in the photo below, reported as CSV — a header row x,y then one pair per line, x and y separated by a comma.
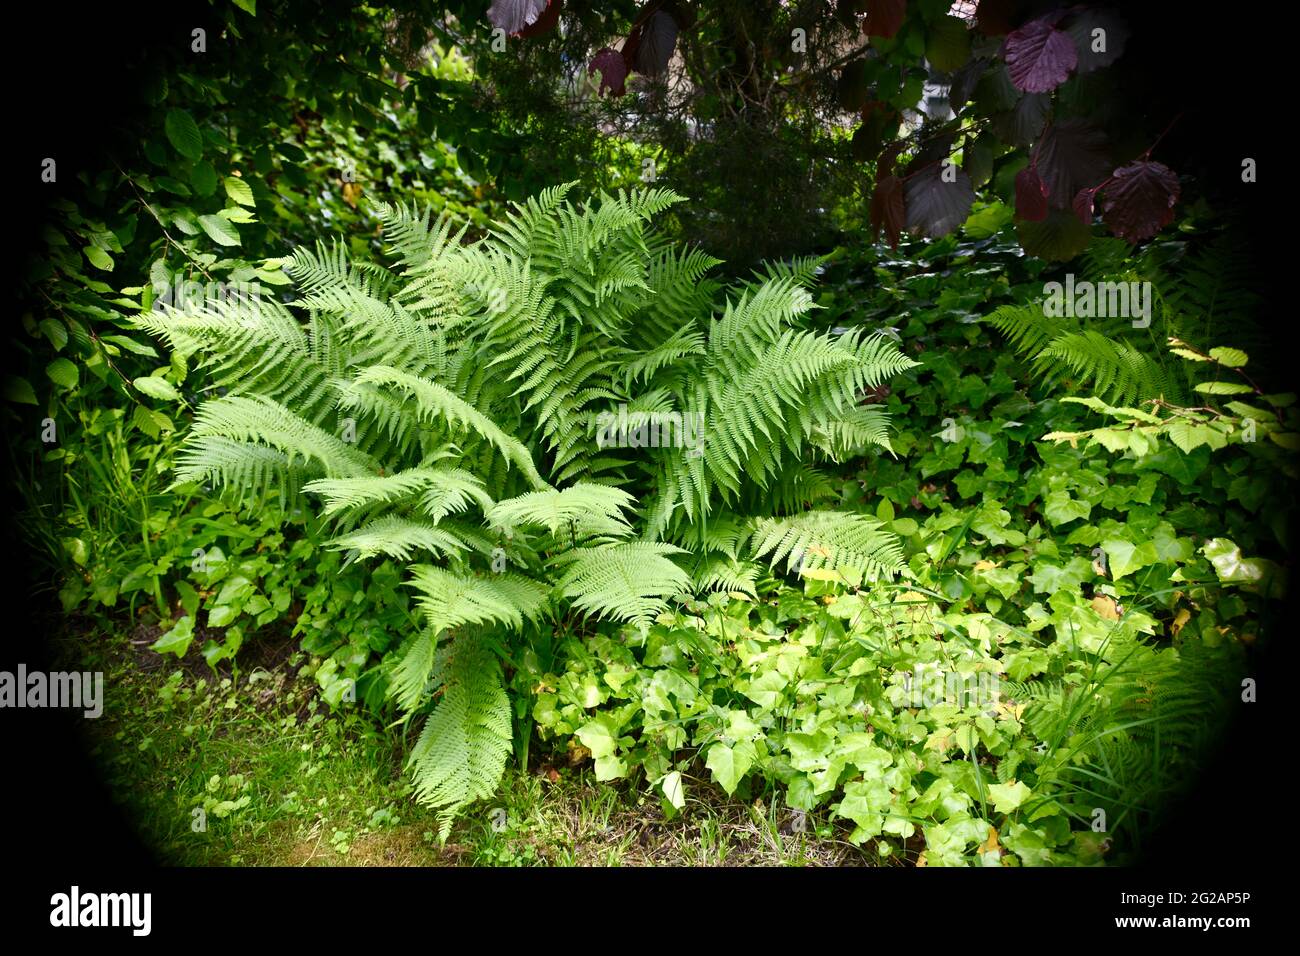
x,y
884,18
1031,196
514,15
613,71
1139,199
1039,56
938,199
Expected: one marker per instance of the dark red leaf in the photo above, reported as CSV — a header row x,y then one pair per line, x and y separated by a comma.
x,y
1097,50
655,43
885,18
995,18
887,209
1139,200
885,164
1039,56
546,22
1031,196
613,71
1082,205
1023,123
937,205
514,15
1071,155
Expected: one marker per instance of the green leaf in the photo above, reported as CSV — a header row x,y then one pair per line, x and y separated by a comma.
x,y
1233,358
239,191
18,389
1223,388
203,178
183,133
177,640
729,764
62,372
599,735
56,332
221,230
248,6
673,790
98,258
157,388
1008,796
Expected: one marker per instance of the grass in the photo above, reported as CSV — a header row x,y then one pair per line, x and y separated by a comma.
x,y
250,768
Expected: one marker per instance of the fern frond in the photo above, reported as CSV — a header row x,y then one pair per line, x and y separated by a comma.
x,y
837,540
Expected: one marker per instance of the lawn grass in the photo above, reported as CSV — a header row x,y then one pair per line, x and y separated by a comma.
x,y
250,768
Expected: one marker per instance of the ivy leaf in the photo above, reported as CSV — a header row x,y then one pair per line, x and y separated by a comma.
x,y
884,18
176,641
183,133
1139,200
673,790
1059,237
1039,56
613,71
221,230
1071,155
935,206
599,735
729,764
1008,796
514,15
1031,196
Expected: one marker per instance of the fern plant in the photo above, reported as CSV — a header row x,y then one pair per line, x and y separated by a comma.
x,y
1122,358
449,412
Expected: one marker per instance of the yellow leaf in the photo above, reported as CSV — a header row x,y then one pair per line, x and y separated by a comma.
x,y
985,565
1180,621
1107,607
991,844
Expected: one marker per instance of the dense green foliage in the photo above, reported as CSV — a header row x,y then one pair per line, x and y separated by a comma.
x,y
911,539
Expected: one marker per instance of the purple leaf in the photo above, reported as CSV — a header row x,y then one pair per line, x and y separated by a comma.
x,y
1097,49
1139,200
1021,125
1071,155
613,71
887,209
658,37
1082,205
885,18
514,15
935,205
1039,56
1031,196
